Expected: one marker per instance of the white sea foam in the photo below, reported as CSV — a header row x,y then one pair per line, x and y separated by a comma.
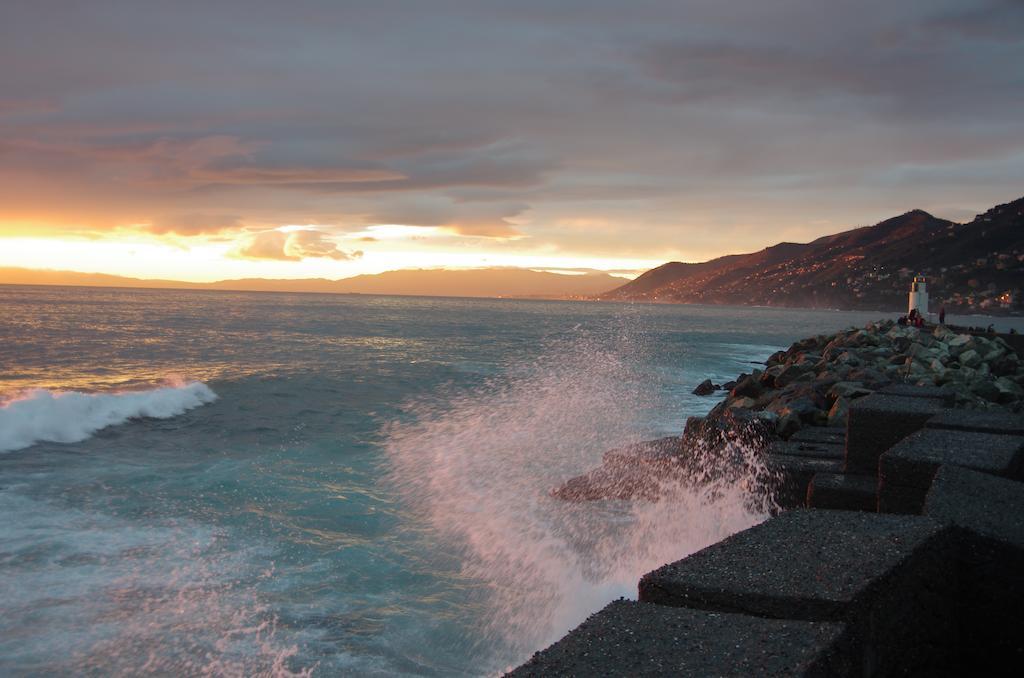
x,y
478,468
70,416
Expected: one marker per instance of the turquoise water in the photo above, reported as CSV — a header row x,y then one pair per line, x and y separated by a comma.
x,y
266,484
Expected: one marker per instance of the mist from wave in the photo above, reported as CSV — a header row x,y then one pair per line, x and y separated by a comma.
x,y
478,467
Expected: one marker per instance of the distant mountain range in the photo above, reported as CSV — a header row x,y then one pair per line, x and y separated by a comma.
x,y
483,282
972,267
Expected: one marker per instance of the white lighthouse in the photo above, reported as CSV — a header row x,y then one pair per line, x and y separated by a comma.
x,y
919,296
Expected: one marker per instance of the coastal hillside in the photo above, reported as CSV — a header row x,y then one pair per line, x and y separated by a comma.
x,y
481,282
972,267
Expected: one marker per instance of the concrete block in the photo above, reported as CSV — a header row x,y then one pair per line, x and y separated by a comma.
x,y
906,470
943,394
820,434
790,448
794,476
879,421
989,514
892,579
628,638
978,422
843,491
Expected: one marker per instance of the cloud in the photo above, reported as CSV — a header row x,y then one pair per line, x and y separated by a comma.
x,y
486,220
688,122
293,246
194,224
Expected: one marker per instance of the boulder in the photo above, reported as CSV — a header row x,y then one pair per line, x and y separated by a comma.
x,y
970,358
1009,390
741,402
839,412
787,425
749,386
986,388
704,388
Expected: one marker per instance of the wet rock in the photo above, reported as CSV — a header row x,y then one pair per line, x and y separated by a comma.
x,y
705,387
748,387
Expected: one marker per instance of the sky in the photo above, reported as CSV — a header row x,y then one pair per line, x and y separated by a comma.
x,y
209,140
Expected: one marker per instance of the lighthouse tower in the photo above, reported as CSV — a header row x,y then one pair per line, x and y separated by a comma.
x,y
919,296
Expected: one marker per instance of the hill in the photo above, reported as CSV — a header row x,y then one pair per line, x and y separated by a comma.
x,y
972,267
483,282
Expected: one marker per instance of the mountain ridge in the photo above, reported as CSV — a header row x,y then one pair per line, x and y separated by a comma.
x,y
482,282
974,266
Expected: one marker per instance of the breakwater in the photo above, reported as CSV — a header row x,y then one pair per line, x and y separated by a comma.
x,y
896,456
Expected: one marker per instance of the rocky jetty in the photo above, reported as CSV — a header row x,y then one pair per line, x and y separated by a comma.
x,y
895,544
811,386
814,381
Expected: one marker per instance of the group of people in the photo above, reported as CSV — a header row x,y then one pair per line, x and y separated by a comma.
x,y
915,319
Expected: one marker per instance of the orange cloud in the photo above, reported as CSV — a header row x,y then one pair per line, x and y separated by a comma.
x,y
293,246
194,224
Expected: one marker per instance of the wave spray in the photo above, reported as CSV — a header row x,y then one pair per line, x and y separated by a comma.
x,y
478,468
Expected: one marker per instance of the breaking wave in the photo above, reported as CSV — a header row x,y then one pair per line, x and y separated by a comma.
x,y
478,468
41,415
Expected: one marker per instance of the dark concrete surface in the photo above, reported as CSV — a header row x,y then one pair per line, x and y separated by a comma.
x,y
942,394
988,506
978,422
905,472
879,421
843,491
820,434
914,460
628,638
794,475
891,578
817,450
989,514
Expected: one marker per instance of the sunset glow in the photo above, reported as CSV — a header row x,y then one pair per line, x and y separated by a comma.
x,y
147,142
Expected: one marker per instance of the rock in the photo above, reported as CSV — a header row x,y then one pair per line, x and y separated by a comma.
x,y
993,355
970,358
748,387
1008,390
1006,365
871,377
729,385
848,358
704,388
787,425
839,412
986,388
792,373
742,403
805,409
771,374
960,343
848,390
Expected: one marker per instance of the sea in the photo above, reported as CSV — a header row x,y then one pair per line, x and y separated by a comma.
x,y
259,484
